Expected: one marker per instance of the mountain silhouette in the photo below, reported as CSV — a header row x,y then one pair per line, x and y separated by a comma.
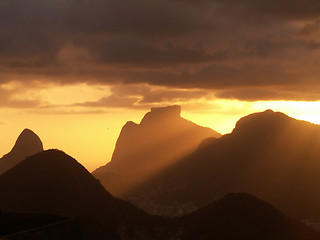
x,y
161,138
241,216
51,182
268,154
27,144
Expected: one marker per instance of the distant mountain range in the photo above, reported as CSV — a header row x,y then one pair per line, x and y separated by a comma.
x,y
268,154
144,149
51,182
49,195
27,144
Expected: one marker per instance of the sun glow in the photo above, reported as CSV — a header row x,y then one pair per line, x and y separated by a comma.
x,y
308,111
89,133
225,113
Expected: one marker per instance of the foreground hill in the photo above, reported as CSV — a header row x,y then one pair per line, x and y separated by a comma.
x,y
268,154
144,149
27,144
243,217
51,182
235,216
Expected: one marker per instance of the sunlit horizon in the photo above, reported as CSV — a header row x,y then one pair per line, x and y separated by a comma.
x,y
91,138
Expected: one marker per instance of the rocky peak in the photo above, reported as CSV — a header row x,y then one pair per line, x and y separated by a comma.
x,y
27,144
162,113
262,121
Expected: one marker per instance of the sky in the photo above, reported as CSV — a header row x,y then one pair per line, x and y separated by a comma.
x,y
74,71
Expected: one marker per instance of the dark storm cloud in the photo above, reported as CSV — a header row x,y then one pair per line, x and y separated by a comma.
x,y
144,96
219,76
111,101
130,52
292,9
221,46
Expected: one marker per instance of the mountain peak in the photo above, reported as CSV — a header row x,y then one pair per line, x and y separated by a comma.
x,y
27,144
268,111
172,110
241,197
28,139
130,125
158,113
53,173
243,216
145,149
262,120
52,182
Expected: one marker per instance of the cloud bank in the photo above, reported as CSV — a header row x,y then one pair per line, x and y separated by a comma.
x,y
246,50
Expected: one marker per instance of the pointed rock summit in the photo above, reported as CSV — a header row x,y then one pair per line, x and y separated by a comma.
x,y
27,144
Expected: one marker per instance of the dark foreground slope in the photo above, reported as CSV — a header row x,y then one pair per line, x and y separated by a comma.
x,y
14,226
268,154
243,217
12,223
52,182
144,149
27,144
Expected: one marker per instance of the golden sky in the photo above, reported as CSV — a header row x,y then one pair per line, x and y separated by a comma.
x,y
89,133
75,71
